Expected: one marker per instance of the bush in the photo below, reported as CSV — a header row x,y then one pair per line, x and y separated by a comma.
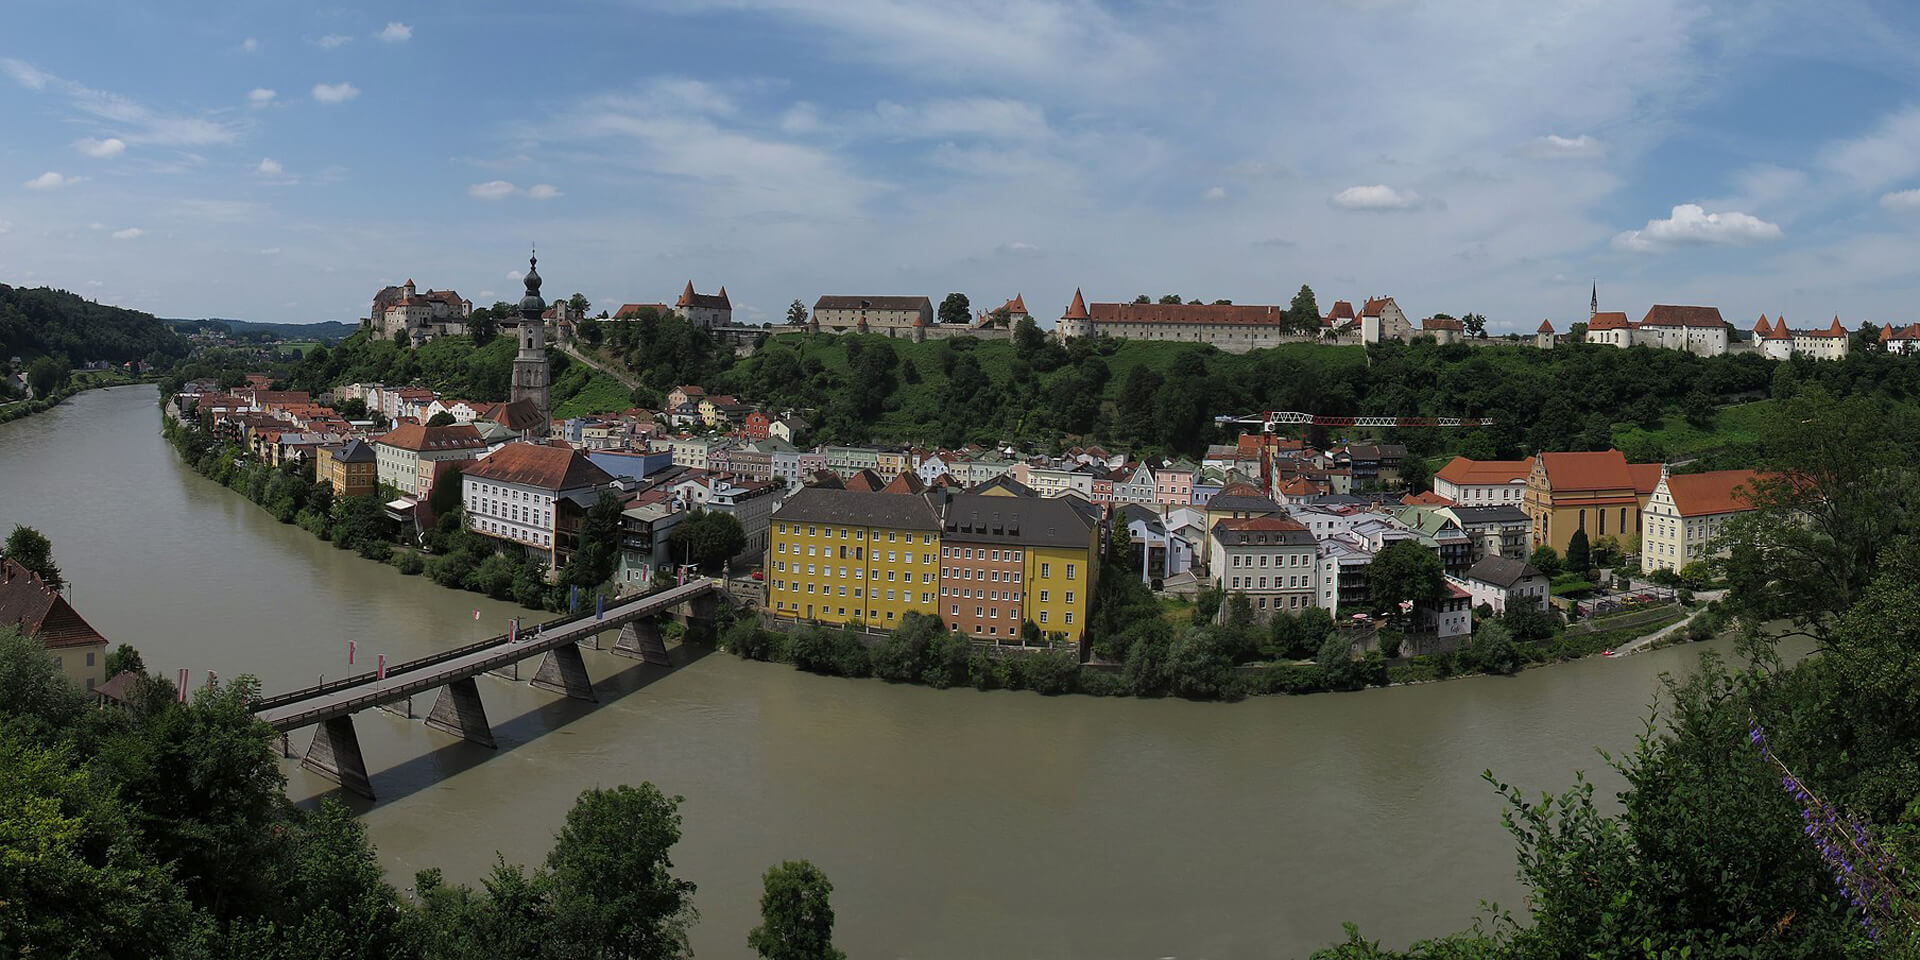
x,y
379,551
1390,641
1051,672
1686,597
1100,683
409,563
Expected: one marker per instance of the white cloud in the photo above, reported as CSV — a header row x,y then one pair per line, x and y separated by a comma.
x,y
138,124
6,226
25,75
335,92
332,40
544,191
1692,225
1901,201
1378,196
1214,193
395,32
270,251
1554,145
514,275
986,117
130,233
101,149
249,45
51,181
492,190
482,295
269,167
260,96
802,117
1890,152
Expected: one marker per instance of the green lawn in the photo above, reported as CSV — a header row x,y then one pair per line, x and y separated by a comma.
x,y
304,346
600,393
1736,427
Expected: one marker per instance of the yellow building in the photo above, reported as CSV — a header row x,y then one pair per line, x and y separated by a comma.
x,y
1599,492
1006,561
350,468
79,652
1686,514
840,556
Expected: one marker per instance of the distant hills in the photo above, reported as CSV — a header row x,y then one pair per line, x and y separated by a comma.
x,y
327,332
43,321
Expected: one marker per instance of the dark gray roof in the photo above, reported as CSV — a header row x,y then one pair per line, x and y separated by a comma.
x,y
1132,512
1237,502
1470,516
1501,571
859,508
1377,451
1006,482
1031,521
354,451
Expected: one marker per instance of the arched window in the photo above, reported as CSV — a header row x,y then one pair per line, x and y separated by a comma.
x,y
1583,519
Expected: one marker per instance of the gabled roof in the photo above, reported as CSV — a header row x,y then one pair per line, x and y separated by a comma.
x,y
1668,315
1646,476
539,465
1278,530
1375,305
1443,323
907,482
1006,485
864,480
1502,571
629,310
1836,330
1546,326
1465,472
1608,321
1425,498
40,611
1717,491
1033,521
355,452
1596,470
420,438
1342,311
716,300
873,303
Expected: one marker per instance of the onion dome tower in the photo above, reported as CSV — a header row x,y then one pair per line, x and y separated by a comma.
x,y
530,375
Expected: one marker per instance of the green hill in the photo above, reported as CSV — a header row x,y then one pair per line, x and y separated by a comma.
x,y
45,322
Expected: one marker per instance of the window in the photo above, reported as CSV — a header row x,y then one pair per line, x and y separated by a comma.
x,y
89,658
1046,570
1043,616
1069,616
1043,596
1069,597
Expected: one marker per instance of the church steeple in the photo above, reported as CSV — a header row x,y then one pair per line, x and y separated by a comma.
x,y
530,374
1593,305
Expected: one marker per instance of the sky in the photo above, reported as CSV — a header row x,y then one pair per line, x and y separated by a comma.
x,y
277,161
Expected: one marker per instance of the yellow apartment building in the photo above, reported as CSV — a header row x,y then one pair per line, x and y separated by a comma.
x,y
840,556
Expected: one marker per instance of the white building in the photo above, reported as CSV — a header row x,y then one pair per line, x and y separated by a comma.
x,y
1483,483
752,503
522,492
398,454
1697,330
1901,340
1502,582
1826,343
1686,512
1273,560
1382,319
704,310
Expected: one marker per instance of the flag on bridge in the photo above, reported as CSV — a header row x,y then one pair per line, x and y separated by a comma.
x,y
350,648
513,630
573,599
381,670
180,692
476,616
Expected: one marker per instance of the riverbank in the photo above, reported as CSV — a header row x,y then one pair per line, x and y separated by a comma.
x,y
76,384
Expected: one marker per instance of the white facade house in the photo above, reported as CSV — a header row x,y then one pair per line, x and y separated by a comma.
x,y
1483,483
1273,560
1503,582
751,503
1382,319
1697,330
400,452
519,492
1686,512
1826,343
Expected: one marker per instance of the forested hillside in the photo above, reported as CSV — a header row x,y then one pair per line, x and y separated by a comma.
x,y
46,322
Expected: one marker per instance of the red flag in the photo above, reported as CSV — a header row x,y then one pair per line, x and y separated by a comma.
x,y
180,693
350,646
382,668
476,615
513,630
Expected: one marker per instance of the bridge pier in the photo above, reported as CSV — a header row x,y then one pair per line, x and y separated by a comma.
x,y
335,754
458,711
564,671
698,616
640,640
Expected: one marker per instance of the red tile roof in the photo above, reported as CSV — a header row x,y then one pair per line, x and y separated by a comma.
x,y
539,465
690,299
425,439
907,482
1762,327
1836,330
1425,499
1646,476
1667,315
1199,313
630,310
40,611
1443,323
1374,305
1546,326
1342,310
1608,321
1078,309
1465,472
1718,491
1598,470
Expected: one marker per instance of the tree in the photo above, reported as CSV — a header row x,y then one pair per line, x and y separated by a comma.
x,y
441,419
1171,298
1475,324
578,304
1579,553
796,314
32,550
1404,570
1493,649
1414,474
707,538
955,309
599,551
124,658
1546,560
46,375
1143,298
614,894
1303,314
483,324
796,919
1027,339
446,495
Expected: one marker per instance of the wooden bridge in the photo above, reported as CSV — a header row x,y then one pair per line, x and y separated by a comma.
x,y
330,706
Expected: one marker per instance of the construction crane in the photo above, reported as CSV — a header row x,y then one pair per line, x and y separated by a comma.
x,y
1270,445
1267,421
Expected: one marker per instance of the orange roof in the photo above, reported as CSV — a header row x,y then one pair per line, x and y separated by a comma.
x,y
1779,331
420,439
40,611
1719,491
1425,499
1374,305
1546,326
1466,472
1208,313
1078,309
1247,447
1342,310
907,483
539,465
1761,326
1646,476
1608,321
1667,315
1836,330
1597,470
1442,323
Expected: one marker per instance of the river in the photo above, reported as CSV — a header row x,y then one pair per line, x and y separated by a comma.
x,y
953,823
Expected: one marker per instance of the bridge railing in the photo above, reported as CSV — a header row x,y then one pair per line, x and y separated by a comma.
x,y
431,659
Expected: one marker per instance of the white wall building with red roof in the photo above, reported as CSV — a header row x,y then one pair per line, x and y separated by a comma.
x,y
1687,512
1483,483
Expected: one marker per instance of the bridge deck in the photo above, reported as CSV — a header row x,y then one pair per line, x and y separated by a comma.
x,y
304,708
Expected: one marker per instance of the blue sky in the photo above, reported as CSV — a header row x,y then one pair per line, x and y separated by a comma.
x,y
276,161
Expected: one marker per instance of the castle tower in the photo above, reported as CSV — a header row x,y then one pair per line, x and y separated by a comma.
x,y
530,366
1544,336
